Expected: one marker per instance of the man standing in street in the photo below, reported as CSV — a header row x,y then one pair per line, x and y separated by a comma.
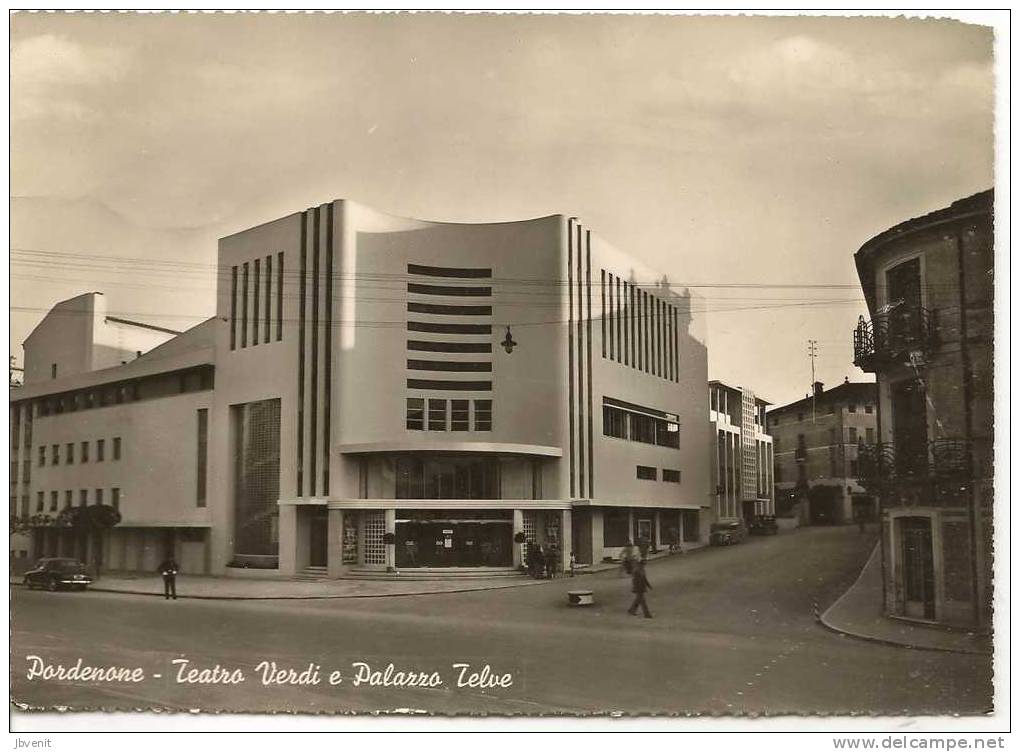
x,y
640,585
169,571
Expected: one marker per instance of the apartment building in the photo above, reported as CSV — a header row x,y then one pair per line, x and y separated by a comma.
x,y
742,454
816,453
928,282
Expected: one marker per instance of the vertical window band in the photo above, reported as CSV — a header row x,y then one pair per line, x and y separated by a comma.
x,y
233,308
244,305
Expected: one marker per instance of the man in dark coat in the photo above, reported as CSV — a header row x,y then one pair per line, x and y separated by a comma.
x,y
640,584
169,571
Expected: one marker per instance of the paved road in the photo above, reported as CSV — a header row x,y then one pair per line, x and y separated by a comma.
x,y
733,633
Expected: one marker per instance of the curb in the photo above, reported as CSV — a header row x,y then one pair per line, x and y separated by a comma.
x,y
311,597
821,619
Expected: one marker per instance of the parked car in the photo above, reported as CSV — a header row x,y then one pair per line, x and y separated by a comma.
x,y
764,525
54,574
726,533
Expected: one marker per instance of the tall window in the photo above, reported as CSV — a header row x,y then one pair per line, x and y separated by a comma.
x,y
115,498
40,501
99,496
100,450
256,289
244,305
84,451
70,454
201,463
852,435
83,497
437,415
233,307
116,447
459,415
56,454
68,499
483,415
869,435
42,456
279,296
415,414
614,422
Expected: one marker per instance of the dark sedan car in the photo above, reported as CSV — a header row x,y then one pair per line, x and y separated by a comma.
x,y
726,533
764,525
54,574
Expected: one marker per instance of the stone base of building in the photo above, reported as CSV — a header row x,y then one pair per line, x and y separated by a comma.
x,y
127,549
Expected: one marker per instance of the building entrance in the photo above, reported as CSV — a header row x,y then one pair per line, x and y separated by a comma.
x,y
918,568
318,537
454,538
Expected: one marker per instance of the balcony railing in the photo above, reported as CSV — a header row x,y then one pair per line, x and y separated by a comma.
x,y
886,463
889,337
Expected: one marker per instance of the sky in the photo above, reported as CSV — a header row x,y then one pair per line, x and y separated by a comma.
x,y
749,157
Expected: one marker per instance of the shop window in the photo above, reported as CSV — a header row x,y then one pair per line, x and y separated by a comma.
x,y
616,528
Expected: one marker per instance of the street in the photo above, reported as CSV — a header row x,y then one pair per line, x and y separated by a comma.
x,y
733,633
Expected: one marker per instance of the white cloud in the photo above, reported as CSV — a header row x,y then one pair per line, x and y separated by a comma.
x,y
52,76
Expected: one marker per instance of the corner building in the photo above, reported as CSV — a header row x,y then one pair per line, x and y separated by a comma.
x,y
393,393
928,282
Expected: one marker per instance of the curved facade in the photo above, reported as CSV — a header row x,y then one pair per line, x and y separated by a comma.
x,y
445,384
929,287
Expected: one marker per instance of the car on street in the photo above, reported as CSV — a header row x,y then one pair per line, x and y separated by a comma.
x,y
54,574
726,533
764,525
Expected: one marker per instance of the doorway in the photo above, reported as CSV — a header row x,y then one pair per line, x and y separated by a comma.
x,y
318,537
918,568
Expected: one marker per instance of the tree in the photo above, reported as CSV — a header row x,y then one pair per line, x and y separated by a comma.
x,y
89,521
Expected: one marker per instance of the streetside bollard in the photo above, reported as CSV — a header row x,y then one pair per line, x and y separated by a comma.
x,y
580,598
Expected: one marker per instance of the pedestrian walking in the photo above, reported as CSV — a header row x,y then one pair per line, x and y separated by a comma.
x,y
627,558
640,584
551,555
169,571
573,563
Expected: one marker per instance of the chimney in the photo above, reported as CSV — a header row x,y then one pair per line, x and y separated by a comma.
x,y
818,388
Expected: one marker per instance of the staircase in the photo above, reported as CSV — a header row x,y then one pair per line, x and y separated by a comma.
x,y
312,574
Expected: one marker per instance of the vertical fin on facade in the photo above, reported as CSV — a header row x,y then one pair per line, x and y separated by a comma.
x,y
580,364
591,429
301,356
570,347
327,396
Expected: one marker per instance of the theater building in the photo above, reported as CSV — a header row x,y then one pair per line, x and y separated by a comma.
x,y
928,282
398,394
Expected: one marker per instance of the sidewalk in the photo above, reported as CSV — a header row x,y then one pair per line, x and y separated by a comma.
x,y
857,613
235,588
